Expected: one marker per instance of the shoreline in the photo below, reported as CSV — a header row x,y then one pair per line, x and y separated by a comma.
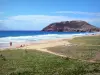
x,y
37,44
45,43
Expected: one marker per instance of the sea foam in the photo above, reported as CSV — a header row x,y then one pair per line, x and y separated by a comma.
x,y
37,37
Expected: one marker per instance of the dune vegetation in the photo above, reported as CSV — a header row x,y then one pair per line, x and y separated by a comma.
x,y
86,48
33,62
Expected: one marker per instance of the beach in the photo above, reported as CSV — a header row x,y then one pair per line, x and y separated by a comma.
x,y
47,56
47,43
24,38
41,44
44,45
38,44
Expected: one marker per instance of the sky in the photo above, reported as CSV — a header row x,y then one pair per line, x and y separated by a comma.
x,y
36,14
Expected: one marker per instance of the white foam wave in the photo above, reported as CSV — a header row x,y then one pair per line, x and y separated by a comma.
x,y
36,37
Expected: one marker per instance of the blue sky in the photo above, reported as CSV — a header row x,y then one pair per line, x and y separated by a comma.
x,y
36,14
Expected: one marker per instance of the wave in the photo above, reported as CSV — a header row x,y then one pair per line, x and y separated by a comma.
x,y
37,37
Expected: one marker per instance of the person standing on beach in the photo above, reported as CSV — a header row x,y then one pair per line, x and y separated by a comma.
x,y
10,43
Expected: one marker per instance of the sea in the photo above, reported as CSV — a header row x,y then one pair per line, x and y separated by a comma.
x,y
33,36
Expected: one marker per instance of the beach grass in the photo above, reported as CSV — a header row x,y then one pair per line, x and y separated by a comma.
x,y
86,48
32,62
86,40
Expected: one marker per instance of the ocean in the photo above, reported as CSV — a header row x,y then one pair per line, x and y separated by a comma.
x,y
32,36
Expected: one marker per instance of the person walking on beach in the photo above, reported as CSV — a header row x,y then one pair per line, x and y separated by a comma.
x,y
10,43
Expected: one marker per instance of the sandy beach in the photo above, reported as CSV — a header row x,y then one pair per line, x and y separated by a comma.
x,y
47,43
38,45
43,44
52,43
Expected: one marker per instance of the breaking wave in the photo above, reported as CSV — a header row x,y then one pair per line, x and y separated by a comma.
x,y
37,37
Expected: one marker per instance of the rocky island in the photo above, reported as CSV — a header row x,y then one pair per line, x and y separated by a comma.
x,y
71,26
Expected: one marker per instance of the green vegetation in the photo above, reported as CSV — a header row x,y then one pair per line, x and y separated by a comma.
x,y
31,62
81,48
87,40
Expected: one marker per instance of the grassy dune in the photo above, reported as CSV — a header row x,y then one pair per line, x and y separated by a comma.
x,y
22,62
86,48
87,40
32,62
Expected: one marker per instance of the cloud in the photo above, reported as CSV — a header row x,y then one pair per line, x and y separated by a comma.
x,y
37,22
39,18
31,22
79,12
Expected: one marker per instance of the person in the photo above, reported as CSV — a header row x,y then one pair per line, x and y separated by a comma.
x,y
10,43
21,45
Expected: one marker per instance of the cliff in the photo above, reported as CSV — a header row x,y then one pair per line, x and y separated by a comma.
x,y
71,26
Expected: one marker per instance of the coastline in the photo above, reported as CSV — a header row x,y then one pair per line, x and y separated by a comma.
x,y
45,43
39,44
56,42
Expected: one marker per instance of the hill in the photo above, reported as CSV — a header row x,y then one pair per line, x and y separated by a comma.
x,y
71,26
